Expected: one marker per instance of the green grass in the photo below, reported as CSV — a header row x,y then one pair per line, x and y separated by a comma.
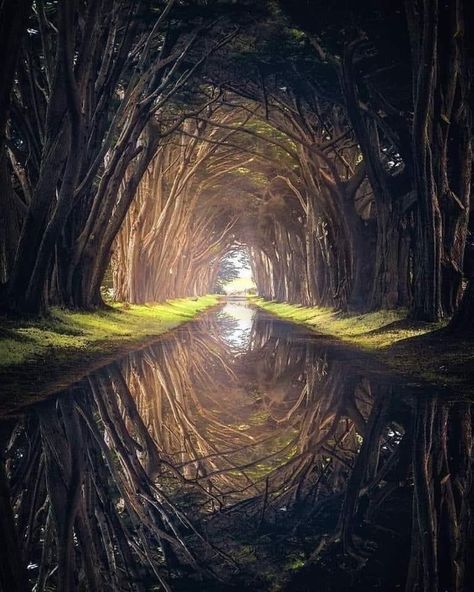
x,y
64,334
416,349
373,330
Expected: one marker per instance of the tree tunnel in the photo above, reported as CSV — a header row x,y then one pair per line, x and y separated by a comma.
x,y
235,177
153,150
336,144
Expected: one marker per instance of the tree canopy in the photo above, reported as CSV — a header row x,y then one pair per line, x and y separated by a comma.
x,y
334,141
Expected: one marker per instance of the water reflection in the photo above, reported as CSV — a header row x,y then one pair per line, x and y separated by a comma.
x,y
238,453
236,327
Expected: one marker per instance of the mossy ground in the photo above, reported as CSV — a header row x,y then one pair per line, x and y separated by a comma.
x,y
419,350
64,332
68,343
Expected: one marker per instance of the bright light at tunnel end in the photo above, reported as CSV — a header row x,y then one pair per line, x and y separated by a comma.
x,y
236,273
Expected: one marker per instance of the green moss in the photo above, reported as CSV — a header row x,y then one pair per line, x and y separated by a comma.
x,y
63,333
421,350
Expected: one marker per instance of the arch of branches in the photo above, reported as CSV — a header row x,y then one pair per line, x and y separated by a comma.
x,y
149,137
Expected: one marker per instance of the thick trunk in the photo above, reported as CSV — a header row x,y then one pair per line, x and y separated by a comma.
x,y
33,229
85,293
13,210
390,288
39,277
386,287
462,322
13,21
363,249
427,284
25,289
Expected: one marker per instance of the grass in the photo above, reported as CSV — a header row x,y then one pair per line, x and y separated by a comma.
x,y
370,331
415,349
71,342
64,332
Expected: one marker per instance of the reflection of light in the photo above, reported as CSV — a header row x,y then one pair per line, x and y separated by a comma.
x,y
237,332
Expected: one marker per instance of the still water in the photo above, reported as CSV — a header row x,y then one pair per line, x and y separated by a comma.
x,y
239,452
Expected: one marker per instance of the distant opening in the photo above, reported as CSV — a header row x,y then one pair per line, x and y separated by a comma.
x,y
234,277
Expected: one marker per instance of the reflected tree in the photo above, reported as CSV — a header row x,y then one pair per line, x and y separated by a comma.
x,y
163,467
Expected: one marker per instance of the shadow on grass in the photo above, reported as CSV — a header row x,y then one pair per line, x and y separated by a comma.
x,y
404,325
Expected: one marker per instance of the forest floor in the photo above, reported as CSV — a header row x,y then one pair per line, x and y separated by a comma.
x,y
43,355
415,349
